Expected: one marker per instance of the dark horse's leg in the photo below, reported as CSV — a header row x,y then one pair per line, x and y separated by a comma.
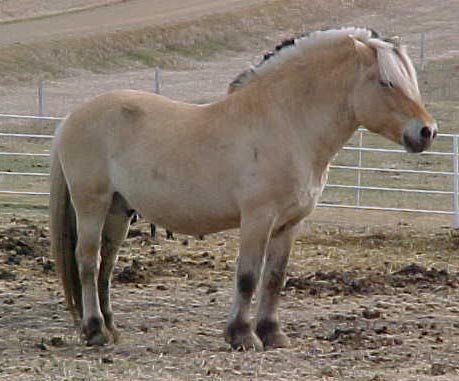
x,y
153,231
169,234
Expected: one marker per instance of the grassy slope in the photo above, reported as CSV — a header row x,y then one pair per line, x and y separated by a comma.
x,y
169,46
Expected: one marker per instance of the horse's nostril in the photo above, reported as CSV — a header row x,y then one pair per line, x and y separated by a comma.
x,y
434,134
427,133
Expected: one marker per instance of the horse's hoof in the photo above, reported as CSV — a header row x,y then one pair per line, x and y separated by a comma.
x,y
276,340
247,342
242,338
115,335
97,340
271,335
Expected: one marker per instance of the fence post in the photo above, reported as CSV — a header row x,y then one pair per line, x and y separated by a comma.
x,y
359,171
456,181
422,54
156,87
41,104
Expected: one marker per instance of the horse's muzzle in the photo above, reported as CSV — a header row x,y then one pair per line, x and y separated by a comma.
x,y
418,137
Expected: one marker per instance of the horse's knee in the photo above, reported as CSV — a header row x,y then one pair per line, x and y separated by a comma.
x,y
88,268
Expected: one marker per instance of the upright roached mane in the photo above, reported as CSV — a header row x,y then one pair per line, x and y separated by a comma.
x,y
394,64
256,159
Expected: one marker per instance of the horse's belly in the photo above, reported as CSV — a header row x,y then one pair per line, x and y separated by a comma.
x,y
192,212
191,221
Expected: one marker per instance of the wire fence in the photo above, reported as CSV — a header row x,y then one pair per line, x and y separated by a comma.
x,y
347,186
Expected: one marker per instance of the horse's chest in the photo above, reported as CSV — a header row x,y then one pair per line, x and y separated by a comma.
x,y
308,199
305,197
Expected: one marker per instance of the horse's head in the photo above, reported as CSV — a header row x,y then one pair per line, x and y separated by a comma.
x,y
386,96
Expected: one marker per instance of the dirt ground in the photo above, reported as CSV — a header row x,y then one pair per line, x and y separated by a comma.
x,y
359,304
363,303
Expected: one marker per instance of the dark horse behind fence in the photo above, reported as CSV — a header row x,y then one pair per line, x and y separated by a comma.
x,y
258,160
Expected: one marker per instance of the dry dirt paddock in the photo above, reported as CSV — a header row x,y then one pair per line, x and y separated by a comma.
x,y
369,304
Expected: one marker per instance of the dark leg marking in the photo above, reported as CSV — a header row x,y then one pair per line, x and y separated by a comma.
x,y
94,326
266,327
153,231
246,284
238,327
94,332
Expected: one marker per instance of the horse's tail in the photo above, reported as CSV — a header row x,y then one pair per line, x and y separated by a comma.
x,y
64,236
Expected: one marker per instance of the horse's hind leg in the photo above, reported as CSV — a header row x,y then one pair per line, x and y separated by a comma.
x,y
267,326
114,233
255,232
91,212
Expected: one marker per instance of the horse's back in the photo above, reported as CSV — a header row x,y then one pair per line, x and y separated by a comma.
x,y
125,106
110,121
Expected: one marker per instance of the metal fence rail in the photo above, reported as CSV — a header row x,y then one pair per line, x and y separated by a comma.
x,y
451,156
25,154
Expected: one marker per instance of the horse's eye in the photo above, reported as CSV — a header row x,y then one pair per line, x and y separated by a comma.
x,y
386,84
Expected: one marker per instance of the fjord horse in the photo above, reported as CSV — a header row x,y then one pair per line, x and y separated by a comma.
x,y
256,160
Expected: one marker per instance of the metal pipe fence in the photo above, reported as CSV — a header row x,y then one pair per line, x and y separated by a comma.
x,y
449,158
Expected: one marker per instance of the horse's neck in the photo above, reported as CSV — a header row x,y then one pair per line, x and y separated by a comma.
x,y
306,99
317,108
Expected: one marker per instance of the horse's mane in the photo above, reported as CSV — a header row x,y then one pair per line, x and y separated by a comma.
x,y
394,64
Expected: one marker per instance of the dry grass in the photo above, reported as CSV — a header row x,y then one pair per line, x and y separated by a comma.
x,y
165,46
171,46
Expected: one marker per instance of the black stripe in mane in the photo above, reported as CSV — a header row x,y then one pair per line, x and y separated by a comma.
x,y
243,78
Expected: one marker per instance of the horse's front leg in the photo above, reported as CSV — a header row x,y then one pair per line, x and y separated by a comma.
x,y
267,321
255,233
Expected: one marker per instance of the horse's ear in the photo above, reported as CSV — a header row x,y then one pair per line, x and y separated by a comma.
x,y
366,53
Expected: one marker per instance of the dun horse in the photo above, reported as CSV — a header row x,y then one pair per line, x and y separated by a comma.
x,y
256,160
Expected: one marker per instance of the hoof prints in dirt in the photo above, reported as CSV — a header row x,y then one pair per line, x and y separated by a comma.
x,y
355,282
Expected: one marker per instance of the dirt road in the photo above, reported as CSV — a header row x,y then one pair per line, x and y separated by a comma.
x,y
121,16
